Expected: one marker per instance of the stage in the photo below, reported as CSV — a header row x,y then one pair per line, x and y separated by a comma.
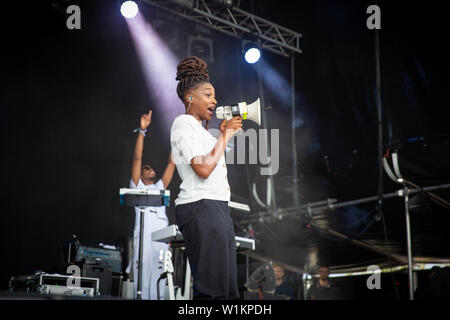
x,y
343,160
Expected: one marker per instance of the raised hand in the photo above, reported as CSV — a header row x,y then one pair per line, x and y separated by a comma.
x,y
146,119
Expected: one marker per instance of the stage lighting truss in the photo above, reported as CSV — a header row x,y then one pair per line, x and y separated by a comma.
x,y
237,23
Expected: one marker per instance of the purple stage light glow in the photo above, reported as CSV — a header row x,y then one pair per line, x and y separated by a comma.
x,y
159,67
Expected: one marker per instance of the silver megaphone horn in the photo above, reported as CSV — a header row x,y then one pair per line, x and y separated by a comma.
x,y
246,111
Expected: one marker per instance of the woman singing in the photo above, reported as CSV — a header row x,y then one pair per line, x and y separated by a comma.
x,y
202,210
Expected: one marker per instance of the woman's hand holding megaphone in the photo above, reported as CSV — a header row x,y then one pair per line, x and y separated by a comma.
x,y
204,165
230,127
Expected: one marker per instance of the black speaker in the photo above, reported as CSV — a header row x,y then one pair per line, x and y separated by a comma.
x,y
101,270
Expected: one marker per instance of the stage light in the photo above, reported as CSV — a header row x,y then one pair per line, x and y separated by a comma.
x,y
129,9
224,3
251,51
228,3
201,47
252,55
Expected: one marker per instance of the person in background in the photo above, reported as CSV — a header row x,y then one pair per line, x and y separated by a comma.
x,y
436,286
324,288
282,285
144,177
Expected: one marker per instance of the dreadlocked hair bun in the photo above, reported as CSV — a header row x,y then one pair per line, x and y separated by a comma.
x,y
190,71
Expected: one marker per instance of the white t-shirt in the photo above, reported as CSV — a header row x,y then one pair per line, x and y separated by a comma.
x,y
189,139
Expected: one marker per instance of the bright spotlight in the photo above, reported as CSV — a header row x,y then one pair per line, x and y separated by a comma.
x,y
129,9
252,55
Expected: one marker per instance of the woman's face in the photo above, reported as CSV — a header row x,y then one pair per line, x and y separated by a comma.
x,y
203,101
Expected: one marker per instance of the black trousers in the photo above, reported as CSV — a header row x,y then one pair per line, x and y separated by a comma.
x,y
208,233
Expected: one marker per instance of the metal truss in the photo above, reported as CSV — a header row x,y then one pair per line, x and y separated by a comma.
x,y
307,210
237,23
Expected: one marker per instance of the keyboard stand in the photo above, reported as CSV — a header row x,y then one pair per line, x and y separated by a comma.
x,y
142,198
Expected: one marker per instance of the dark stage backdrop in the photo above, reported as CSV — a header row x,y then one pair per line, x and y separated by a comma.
x,y
70,99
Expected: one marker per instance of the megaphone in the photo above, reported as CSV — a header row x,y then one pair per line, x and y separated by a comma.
x,y
247,112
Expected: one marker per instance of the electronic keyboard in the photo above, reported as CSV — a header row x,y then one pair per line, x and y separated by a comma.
x,y
144,197
172,233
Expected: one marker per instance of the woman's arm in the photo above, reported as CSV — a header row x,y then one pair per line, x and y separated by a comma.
x,y
204,165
